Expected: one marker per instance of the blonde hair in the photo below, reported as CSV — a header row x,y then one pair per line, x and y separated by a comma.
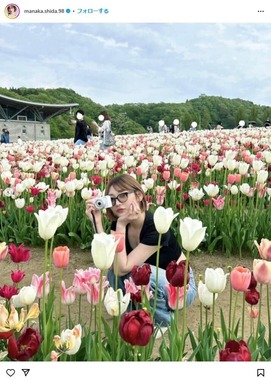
x,y
124,182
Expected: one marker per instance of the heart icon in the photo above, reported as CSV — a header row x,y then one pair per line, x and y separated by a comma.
x,y
10,372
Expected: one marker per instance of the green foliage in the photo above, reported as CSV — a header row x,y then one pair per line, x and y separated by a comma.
x,y
133,118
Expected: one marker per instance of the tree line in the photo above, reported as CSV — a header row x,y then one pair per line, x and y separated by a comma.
x,y
133,118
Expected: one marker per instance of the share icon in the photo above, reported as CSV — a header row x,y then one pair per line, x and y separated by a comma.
x,y
25,371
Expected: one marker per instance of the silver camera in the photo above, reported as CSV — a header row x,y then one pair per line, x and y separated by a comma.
x,y
103,202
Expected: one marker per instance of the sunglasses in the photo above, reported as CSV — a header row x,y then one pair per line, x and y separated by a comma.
x,y
122,197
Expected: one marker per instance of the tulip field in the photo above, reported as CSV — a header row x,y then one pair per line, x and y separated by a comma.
x,y
215,185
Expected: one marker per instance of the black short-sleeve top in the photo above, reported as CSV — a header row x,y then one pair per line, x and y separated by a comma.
x,y
170,249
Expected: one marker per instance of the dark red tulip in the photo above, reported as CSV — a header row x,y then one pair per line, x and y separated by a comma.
x,y
252,296
19,254
235,352
141,274
136,327
26,346
175,273
8,291
253,282
17,276
136,297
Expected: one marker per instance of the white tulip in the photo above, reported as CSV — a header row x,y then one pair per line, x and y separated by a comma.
x,y
192,233
70,340
103,248
20,202
163,218
49,220
262,176
243,168
244,188
196,194
205,296
27,295
212,159
211,190
234,190
215,280
115,303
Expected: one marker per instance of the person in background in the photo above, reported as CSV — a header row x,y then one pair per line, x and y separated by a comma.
x,y
219,126
81,128
130,217
105,129
5,136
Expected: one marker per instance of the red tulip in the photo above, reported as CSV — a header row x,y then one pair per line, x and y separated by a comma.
x,y
19,254
175,273
141,274
17,276
235,352
252,296
26,346
136,327
253,282
7,291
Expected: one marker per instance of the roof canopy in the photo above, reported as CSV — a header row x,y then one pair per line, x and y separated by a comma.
x,y
43,111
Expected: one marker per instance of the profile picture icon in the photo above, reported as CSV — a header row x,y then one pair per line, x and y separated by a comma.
x,y
12,11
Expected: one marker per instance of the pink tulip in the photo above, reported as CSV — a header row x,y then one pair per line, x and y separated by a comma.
x,y
61,256
172,296
3,251
166,175
219,202
37,282
240,278
121,237
68,294
184,176
262,271
264,249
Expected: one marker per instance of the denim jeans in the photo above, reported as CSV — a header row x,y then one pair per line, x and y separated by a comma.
x,y
162,315
80,142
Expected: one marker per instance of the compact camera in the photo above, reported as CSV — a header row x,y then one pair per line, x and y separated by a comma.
x,y
103,202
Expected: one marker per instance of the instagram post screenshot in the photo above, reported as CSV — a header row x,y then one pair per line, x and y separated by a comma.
x,y
135,189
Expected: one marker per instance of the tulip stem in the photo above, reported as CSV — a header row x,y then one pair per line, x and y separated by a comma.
x,y
230,311
116,267
268,314
156,275
243,315
260,312
44,343
213,324
60,299
234,314
184,304
100,318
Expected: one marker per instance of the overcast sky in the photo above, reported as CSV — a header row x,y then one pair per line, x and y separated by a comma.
x,y
140,63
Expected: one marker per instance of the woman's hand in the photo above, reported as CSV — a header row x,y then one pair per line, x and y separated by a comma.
x,y
132,213
92,212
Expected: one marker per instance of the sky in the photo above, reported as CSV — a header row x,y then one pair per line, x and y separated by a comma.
x,y
140,63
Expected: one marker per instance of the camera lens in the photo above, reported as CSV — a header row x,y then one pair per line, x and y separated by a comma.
x,y
99,204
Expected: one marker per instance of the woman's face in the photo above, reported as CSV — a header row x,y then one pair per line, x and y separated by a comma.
x,y
121,200
11,10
